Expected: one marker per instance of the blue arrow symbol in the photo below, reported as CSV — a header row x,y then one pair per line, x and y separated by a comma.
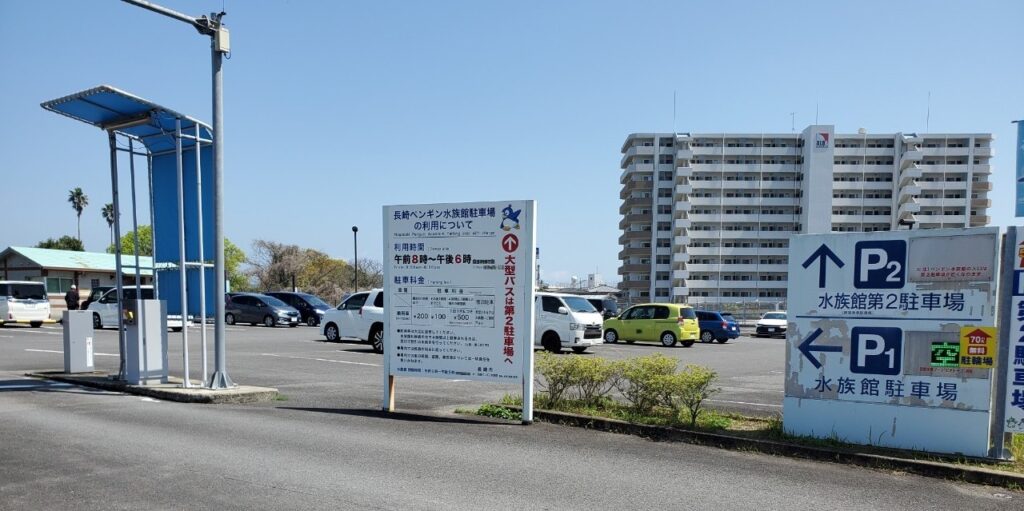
x,y
820,254
806,348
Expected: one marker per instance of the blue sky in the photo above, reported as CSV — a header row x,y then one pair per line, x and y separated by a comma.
x,y
334,109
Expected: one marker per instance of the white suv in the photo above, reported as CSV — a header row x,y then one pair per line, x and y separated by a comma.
x,y
360,316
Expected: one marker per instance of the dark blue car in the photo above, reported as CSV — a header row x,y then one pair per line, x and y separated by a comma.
x,y
717,326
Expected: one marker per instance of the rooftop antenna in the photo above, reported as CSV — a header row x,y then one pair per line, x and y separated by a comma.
x,y
792,122
815,113
673,113
928,116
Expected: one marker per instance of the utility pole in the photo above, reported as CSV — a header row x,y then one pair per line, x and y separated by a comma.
x,y
220,43
355,259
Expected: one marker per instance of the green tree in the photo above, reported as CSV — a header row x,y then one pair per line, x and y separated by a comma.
x,y
108,215
62,243
79,200
234,257
128,242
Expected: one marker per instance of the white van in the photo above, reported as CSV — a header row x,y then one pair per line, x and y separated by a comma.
x,y
562,320
24,302
105,310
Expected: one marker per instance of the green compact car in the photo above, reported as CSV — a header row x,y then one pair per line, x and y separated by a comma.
x,y
667,323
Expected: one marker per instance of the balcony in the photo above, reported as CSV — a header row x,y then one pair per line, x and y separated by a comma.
x,y
628,252
984,151
945,151
684,189
911,157
980,220
639,167
634,235
681,223
982,168
978,186
634,268
636,151
780,151
684,171
981,203
684,154
636,218
680,291
908,208
635,284
942,203
635,185
680,274
681,241
909,174
680,257
862,185
861,202
865,151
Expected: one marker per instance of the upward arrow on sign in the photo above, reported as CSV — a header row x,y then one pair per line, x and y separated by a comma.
x,y
821,254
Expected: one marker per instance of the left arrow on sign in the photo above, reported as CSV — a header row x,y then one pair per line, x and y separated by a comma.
x,y
807,349
821,254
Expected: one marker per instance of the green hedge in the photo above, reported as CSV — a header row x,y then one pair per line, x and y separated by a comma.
x,y
646,384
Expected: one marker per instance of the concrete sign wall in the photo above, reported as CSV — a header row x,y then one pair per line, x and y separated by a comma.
x,y
876,341
459,283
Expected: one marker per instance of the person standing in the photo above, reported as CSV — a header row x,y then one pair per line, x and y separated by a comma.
x,y
71,298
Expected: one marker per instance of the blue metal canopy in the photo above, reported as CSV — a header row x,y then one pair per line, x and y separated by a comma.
x,y
108,108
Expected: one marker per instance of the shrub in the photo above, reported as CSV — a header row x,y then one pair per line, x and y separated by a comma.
x,y
687,390
558,377
593,378
643,381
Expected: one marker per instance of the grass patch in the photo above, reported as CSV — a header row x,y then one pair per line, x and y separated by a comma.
x,y
280,397
770,428
498,412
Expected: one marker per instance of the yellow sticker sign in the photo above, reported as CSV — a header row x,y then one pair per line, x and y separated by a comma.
x,y
977,347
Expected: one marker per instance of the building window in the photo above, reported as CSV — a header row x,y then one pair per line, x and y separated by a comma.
x,y
664,243
664,192
58,285
664,259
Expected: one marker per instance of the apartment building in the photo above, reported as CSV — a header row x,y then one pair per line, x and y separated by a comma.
x,y
706,218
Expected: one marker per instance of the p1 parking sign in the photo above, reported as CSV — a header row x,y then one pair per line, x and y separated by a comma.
x,y
876,350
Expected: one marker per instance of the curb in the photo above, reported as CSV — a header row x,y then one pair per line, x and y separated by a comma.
x,y
952,471
170,391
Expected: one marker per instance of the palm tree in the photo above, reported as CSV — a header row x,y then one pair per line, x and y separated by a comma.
x,y
79,201
108,215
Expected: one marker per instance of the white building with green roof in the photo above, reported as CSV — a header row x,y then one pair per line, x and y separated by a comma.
x,y
59,269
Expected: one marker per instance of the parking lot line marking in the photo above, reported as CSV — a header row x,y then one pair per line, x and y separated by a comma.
x,y
62,352
743,403
39,332
321,359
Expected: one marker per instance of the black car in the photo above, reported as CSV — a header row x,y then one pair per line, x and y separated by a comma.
x,y
310,307
606,306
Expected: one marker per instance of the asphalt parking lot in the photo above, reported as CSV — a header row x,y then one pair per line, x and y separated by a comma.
x,y
312,372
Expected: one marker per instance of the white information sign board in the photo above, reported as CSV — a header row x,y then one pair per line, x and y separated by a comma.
x,y
458,292
891,337
1014,419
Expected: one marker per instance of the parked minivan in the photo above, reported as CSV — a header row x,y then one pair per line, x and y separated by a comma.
x,y
311,308
23,302
255,308
562,320
105,309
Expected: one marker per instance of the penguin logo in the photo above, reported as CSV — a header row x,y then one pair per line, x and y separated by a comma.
x,y
510,218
